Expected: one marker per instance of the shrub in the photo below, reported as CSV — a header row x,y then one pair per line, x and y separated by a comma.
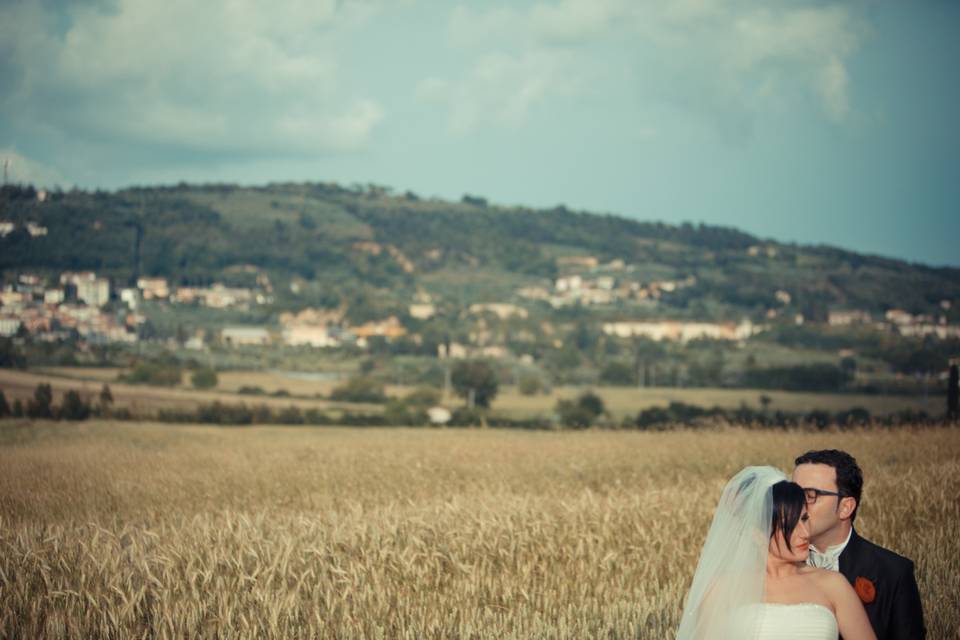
x,y
359,389
251,391
41,405
106,399
530,385
580,413
289,415
811,377
74,407
4,407
154,373
424,397
619,374
205,378
475,378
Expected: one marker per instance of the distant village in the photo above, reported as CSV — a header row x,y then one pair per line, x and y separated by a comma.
x,y
87,305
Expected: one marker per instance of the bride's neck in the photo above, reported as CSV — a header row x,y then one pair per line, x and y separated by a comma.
x,y
780,568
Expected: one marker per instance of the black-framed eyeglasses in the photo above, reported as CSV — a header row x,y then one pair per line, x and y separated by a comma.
x,y
812,494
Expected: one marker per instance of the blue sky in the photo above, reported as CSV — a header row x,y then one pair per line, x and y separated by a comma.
x,y
814,122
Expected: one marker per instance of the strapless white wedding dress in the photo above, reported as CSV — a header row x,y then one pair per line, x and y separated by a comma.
x,y
806,621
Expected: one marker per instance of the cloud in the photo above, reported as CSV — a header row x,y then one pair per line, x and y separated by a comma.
x,y
574,21
500,89
727,62
832,85
220,76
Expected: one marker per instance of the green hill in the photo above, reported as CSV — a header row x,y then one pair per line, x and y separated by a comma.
x,y
470,249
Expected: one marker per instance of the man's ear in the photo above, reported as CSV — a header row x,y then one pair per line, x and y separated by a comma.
x,y
846,508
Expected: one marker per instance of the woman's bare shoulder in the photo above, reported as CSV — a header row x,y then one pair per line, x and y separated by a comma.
x,y
832,582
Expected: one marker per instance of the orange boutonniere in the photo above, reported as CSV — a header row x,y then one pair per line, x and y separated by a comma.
x,y
865,589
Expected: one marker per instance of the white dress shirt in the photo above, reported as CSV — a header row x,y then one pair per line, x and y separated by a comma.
x,y
829,559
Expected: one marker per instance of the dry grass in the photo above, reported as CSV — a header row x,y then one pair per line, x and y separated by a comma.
x,y
144,530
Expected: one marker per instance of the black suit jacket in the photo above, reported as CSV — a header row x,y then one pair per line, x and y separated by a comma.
x,y
896,612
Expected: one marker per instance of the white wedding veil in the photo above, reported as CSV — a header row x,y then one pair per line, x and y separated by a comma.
x,y
728,587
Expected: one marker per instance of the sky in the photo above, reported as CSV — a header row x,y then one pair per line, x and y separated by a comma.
x,y
814,122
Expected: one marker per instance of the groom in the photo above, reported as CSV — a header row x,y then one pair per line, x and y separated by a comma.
x,y
883,580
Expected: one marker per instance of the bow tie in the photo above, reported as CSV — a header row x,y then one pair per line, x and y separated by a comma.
x,y
829,559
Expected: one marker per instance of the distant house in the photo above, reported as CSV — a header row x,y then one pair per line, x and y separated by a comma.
x,y
681,331
221,297
899,316
309,335
845,318
568,283
422,311
589,262
195,343
453,351
153,288
317,317
501,309
6,228
762,250
12,299
94,292
53,296
245,336
9,325
389,328
36,230
130,297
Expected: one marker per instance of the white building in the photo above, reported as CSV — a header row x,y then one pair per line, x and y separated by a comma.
x,y
53,296
95,292
899,316
422,310
309,335
9,325
845,318
36,230
153,288
130,297
568,283
500,309
241,336
456,351
681,331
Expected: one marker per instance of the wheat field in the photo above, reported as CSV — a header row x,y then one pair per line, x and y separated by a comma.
x,y
126,530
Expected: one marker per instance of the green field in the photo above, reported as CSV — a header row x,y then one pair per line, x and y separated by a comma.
x,y
620,401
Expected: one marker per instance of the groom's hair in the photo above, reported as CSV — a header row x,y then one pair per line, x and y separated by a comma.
x,y
849,476
788,503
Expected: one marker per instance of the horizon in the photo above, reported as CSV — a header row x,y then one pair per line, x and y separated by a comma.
x,y
821,123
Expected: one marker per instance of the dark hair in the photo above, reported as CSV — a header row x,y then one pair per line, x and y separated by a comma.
x,y
849,476
788,504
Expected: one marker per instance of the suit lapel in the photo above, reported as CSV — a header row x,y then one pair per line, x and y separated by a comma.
x,y
850,557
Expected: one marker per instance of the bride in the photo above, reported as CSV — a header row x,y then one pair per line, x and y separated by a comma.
x,y
752,580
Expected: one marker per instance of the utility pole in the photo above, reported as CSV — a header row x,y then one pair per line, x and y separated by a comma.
x,y
953,390
6,167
